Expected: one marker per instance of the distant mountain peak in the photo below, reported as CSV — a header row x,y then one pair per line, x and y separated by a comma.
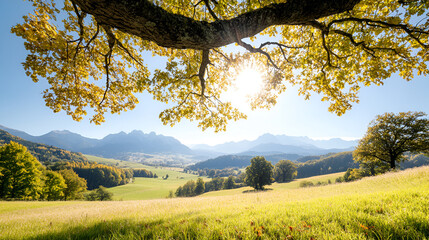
x,y
267,138
61,132
140,132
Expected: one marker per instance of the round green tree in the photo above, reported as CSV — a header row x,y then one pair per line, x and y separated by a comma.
x,y
259,173
391,135
20,172
285,171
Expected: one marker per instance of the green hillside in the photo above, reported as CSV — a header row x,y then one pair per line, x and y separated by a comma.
x,y
44,153
334,163
390,206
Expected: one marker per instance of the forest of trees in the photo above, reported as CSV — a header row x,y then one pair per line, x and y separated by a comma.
x,y
23,177
338,162
100,175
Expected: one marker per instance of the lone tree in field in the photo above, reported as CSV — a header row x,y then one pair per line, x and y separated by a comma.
x,y
331,47
391,135
284,171
259,173
19,176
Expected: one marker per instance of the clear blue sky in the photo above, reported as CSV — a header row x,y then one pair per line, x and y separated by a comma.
x,y
23,108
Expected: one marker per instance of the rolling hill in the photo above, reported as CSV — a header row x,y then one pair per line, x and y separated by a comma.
x,y
44,153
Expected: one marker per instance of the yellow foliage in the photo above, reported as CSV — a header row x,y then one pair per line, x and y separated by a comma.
x,y
93,66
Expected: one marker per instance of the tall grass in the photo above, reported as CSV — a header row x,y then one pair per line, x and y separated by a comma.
x,y
391,206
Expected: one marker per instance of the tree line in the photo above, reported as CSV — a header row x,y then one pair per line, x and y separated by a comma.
x,y
194,188
217,173
144,173
99,174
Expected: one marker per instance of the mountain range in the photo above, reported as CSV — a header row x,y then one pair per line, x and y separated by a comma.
x,y
44,153
139,146
269,143
111,145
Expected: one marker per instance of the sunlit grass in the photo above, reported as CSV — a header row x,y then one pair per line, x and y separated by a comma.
x,y
391,206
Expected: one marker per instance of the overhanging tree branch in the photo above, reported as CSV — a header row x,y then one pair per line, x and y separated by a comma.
x,y
166,29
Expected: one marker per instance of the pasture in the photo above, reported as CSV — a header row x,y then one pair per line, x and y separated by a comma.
x,y
389,206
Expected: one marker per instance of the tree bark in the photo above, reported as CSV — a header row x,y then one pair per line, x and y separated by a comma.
x,y
392,163
143,19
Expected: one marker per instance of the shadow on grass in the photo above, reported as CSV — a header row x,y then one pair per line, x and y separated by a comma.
x,y
254,190
181,226
118,229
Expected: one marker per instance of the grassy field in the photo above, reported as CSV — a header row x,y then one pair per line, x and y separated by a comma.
x,y
154,188
390,206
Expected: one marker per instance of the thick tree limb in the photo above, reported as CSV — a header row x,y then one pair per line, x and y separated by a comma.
x,y
143,19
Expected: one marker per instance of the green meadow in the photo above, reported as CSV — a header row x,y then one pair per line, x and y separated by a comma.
x,y
390,206
155,188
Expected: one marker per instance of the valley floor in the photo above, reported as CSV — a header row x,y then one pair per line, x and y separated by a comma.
x,y
390,206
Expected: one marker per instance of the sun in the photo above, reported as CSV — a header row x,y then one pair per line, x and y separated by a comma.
x,y
247,84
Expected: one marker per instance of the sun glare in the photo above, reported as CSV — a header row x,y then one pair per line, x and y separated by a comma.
x,y
247,84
